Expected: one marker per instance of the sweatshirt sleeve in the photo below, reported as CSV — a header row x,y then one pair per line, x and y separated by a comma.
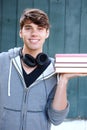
x,y
57,117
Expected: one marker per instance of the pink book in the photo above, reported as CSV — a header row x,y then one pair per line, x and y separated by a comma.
x,y
81,58
71,55
71,70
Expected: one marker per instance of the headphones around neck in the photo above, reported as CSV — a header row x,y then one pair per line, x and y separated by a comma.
x,y
40,60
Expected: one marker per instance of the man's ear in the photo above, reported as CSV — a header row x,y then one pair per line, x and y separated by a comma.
x,y
20,34
48,32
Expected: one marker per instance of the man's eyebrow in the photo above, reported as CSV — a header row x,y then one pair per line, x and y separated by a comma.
x,y
27,25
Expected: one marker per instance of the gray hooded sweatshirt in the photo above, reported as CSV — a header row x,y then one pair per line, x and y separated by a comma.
x,y
23,108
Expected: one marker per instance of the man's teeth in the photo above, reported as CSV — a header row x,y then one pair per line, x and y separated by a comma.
x,y
34,40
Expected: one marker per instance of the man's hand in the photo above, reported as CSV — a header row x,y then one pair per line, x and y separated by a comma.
x,y
68,76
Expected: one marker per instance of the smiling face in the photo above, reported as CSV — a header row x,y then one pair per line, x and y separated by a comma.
x,y
33,37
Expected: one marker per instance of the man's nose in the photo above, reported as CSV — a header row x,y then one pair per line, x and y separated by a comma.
x,y
34,31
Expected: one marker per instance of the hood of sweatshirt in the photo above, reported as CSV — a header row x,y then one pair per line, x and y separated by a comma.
x,y
15,60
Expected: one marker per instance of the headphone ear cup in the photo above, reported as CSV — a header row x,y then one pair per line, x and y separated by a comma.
x,y
41,59
29,60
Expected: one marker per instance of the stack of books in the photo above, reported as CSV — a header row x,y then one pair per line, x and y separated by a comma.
x,y
71,63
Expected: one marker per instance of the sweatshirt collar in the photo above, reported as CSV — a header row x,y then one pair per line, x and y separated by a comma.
x,y
46,74
17,63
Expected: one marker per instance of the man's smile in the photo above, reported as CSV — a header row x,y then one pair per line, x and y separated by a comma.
x,y
34,40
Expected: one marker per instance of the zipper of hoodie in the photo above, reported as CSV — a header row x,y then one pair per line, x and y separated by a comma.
x,y
23,114
25,100
24,110
25,96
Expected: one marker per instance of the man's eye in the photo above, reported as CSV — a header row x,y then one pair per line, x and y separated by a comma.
x,y
27,28
40,28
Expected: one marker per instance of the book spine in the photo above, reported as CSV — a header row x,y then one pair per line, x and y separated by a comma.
x,y
71,55
71,59
71,70
70,65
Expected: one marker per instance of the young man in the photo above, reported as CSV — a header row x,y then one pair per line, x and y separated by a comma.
x,y
31,98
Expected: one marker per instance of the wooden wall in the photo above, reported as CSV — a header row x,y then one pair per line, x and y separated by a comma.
x,y
68,34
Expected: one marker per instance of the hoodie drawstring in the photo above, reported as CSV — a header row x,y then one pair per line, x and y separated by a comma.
x,y
9,77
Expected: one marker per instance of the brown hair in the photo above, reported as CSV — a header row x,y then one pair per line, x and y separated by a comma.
x,y
35,16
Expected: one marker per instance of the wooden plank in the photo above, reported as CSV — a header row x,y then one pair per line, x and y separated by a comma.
x,y
57,18
43,5
0,23
82,98
8,25
83,28
72,94
72,26
83,49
